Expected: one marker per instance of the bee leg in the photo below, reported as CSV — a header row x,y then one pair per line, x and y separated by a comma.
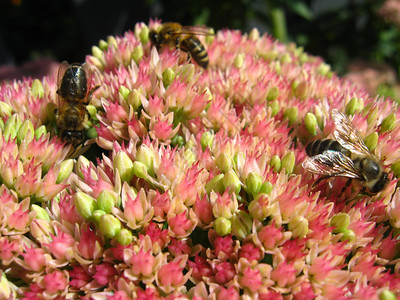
x,y
347,184
320,179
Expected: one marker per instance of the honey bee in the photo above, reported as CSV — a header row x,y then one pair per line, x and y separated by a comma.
x,y
184,38
347,156
73,95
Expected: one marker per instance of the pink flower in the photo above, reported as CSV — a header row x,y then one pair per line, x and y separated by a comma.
x,y
224,272
179,247
90,245
203,210
35,258
250,252
251,279
181,224
79,277
320,268
228,293
19,219
8,249
143,263
284,274
200,268
61,245
159,237
270,236
104,273
55,282
223,246
170,276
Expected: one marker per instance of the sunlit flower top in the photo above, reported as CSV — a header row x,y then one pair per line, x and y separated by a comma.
x,y
198,192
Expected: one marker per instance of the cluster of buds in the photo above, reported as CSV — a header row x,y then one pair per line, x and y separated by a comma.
x,y
199,192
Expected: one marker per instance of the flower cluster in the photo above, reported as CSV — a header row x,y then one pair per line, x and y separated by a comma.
x,y
199,192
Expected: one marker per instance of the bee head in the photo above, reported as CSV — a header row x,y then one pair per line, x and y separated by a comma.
x,y
154,37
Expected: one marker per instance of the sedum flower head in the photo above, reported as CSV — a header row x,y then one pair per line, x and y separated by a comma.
x,y
199,190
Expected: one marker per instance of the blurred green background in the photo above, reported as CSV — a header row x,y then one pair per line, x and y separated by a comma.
x,y
341,31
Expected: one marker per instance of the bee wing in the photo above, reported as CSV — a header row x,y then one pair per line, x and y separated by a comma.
x,y
347,135
197,30
331,163
61,71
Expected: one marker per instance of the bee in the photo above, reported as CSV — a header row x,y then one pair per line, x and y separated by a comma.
x,y
182,37
73,94
346,156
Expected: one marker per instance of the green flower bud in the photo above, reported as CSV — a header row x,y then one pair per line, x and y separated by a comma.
x,y
12,126
301,90
133,99
98,53
254,183
92,110
352,106
124,91
124,165
324,69
254,34
273,93
97,214
224,162
291,114
310,121
190,156
40,131
41,213
266,188
239,160
7,289
387,295
140,170
206,140
137,53
112,41
85,204
270,55
124,237
66,168
177,140
241,225
81,164
275,163
26,131
168,77
274,105
288,162
222,226
239,60
299,226
144,35
109,225
103,45
340,221
232,180
146,157
286,58
210,38
371,140
388,123
91,133
215,184
396,169
37,88
348,235
303,58
186,72
107,200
